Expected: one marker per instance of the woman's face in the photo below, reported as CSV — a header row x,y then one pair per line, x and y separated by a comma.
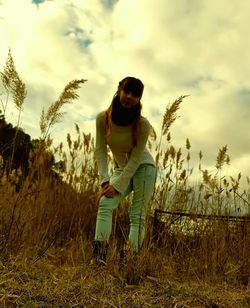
x,y
127,99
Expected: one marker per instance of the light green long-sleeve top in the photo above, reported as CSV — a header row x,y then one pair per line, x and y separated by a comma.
x,y
120,143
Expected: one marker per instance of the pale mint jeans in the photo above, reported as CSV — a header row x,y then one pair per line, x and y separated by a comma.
x,y
142,185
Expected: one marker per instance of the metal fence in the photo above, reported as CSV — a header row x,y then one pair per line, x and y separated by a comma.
x,y
158,213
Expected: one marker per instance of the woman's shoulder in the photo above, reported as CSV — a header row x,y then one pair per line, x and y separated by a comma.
x,y
144,122
101,119
101,116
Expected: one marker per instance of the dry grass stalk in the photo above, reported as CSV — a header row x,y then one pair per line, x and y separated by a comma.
x,y
54,114
222,157
13,83
170,114
188,145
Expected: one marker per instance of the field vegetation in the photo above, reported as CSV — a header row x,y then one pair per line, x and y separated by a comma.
x,y
198,256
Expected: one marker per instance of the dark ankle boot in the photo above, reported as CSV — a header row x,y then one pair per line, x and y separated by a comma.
x,y
100,251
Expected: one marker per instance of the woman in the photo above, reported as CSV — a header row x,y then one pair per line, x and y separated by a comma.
x,y
122,128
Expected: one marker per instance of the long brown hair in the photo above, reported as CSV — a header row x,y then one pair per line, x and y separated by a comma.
x,y
136,87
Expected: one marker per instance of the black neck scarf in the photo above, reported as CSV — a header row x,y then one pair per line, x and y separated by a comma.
x,y
124,116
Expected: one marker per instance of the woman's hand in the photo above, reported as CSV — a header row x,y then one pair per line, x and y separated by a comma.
x,y
108,191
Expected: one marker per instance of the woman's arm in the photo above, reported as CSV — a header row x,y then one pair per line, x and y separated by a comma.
x,y
101,148
135,157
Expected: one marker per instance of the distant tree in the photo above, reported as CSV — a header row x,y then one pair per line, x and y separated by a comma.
x,y
15,146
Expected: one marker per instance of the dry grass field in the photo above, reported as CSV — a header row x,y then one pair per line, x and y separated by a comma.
x,y
47,222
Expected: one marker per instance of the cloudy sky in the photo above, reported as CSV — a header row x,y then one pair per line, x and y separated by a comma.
x,y
180,47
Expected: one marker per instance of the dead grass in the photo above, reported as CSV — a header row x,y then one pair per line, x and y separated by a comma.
x,y
49,285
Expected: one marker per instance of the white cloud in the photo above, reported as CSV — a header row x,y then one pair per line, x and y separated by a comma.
x,y
182,47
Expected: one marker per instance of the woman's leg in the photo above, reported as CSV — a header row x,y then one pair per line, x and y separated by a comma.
x,y
105,211
104,217
143,186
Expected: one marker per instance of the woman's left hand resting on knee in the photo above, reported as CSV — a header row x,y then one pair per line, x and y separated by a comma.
x,y
108,191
